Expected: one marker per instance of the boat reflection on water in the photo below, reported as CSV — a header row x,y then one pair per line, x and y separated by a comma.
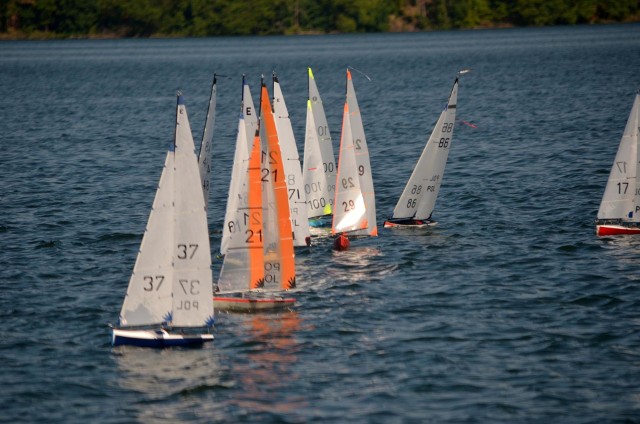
x,y
265,371
624,248
359,263
174,384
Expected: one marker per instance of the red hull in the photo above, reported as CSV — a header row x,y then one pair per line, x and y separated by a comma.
x,y
614,230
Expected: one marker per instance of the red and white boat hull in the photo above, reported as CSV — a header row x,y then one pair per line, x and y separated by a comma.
x,y
614,230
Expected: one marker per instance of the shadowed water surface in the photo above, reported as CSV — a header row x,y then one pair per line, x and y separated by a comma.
x,y
509,310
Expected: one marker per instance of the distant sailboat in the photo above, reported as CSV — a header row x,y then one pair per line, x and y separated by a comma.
x,y
319,166
204,156
292,169
418,199
260,260
247,126
620,205
169,299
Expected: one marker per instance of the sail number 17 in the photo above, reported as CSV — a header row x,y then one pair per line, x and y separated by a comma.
x,y
622,188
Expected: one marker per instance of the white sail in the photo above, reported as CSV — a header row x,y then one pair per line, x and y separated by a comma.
x,y
419,196
316,185
318,157
204,156
245,238
244,142
621,199
292,169
363,165
192,279
350,213
148,299
171,281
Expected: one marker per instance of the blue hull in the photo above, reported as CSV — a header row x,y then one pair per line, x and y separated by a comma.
x,y
157,339
321,221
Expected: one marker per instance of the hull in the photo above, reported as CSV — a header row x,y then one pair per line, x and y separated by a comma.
x,y
239,304
157,338
613,230
321,221
409,224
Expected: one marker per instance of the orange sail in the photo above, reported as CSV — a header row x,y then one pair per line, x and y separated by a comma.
x,y
254,218
277,175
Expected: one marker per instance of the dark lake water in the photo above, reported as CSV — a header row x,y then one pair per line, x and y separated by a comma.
x,y
510,310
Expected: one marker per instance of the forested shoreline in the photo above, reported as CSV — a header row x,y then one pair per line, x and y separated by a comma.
x,y
42,19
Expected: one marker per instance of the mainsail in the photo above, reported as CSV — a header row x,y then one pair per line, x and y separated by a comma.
x,y
350,213
247,126
363,165
292,169
319,166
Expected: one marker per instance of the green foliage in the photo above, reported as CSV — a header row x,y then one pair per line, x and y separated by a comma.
x,y
145,18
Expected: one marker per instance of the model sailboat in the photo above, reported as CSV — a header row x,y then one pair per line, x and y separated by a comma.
x,y
354,211
363,165
319,172
418,199
620,206
292,169
260,259
169,299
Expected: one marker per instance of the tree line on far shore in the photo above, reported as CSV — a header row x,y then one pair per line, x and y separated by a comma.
x,y
199,18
